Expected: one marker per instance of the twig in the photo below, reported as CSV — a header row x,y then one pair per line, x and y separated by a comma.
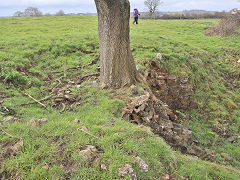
x,y
10,134
90,134
65,70
95,74
59,83
94,61
163,37
7,134
64,107
43,105
44,99
81,78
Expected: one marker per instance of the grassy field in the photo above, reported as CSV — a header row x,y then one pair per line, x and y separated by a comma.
x,y
33,55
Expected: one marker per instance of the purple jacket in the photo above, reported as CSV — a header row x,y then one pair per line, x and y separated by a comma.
x,y
135,13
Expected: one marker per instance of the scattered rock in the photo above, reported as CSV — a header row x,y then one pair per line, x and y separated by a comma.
x,y
127,172
159,56
77,121
92,156
205,154
183,148
89,154
112,121
141,163
88,86
78,86
194,157
134,90
13,149
226,156
84,129
166,177
38,122
103,167
184,79
18,176
186,133
233,138
6,110
210,152
67,97
95,83
71,82
17,146
99,162
196,141
137,67
10,119
46,167
192,152
177,139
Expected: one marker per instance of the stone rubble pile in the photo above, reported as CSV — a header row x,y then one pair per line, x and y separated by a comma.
x,y
173,90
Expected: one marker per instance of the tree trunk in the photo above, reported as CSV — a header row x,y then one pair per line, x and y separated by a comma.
x,y
117,65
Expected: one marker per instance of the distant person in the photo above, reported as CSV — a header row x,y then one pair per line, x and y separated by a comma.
x,y
135,15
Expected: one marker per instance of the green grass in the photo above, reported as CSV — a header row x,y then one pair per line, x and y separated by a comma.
x,y
33,52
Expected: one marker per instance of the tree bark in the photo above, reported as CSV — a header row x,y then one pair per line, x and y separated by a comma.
x,y
116,61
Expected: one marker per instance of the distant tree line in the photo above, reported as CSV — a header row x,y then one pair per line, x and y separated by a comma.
x,y
186,15
35,12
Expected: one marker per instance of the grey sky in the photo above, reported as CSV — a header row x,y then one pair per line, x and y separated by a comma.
x,y
8,7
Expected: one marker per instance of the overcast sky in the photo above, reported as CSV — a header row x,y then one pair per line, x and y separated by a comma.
x,y
8,7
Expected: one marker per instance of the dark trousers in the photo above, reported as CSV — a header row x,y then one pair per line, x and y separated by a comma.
x,y
135,20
